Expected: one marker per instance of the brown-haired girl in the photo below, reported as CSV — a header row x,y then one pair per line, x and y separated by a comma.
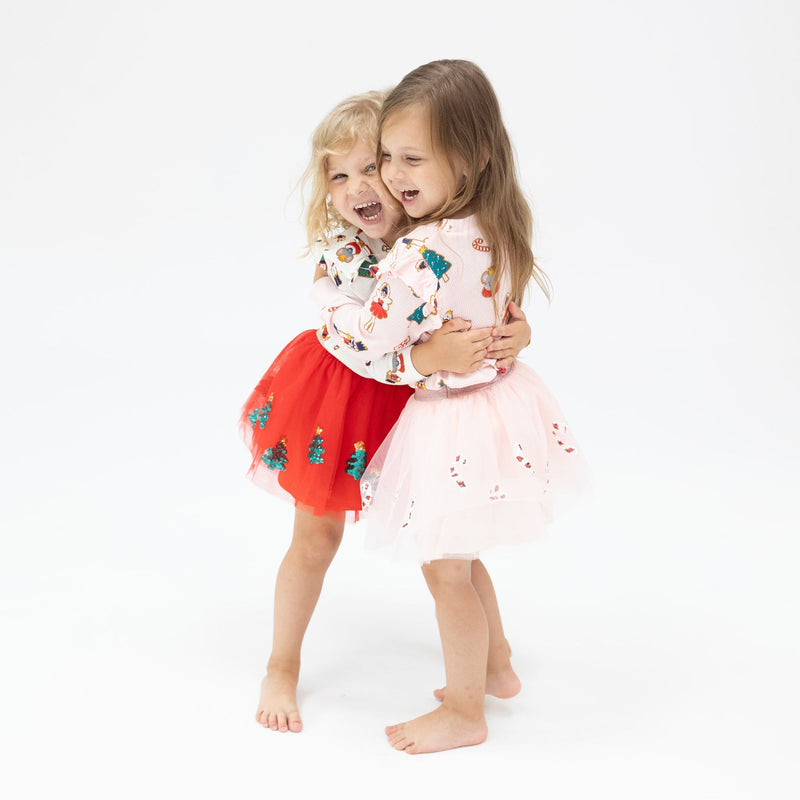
x,y
475,460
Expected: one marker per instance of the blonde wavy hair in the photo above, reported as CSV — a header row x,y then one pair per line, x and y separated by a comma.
x,y
466,125
351,120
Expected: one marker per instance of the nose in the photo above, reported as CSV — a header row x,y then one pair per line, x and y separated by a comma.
x,y
359,185
390,172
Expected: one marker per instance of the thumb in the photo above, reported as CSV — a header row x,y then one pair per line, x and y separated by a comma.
x,y
515,312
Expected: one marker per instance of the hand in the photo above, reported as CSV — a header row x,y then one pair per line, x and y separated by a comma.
x,y
452,348
510,339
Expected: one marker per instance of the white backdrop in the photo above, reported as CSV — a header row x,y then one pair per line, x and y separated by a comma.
x,y
149,240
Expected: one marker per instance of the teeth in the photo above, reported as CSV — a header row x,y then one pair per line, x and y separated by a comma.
x,y
372,204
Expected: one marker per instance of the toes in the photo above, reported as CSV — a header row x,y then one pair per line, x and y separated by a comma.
x,y
397,737
280,721
401,744
295,723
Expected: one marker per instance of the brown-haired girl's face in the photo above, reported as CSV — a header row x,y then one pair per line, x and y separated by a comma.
x,y
358,194
412,169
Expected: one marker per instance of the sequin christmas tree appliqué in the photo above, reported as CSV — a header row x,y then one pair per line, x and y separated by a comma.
x,y
276,457
259,416
357,462
315,449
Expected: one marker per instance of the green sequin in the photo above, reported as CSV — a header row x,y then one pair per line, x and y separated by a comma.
x,y
276,457
357,462
315,449
259,416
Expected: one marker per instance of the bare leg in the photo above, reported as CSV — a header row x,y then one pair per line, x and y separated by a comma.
x,y
298,584
459,721
501,680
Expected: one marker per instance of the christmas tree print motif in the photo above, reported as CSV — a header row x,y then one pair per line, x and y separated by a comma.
x,y
357,462
259,416
275,457
437,263
434,261
315,449
369,267
418,314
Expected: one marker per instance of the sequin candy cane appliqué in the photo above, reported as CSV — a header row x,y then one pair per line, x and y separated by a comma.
x,y
455,475
558,431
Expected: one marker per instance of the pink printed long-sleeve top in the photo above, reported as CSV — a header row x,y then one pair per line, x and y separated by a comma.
x,y
439,271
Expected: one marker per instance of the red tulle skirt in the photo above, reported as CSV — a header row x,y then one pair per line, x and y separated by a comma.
x,y
312,425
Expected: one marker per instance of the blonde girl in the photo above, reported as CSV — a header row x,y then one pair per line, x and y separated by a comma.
x,y
319,414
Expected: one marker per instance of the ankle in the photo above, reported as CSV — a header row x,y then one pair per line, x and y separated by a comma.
x,y
499,659
468,709
283,668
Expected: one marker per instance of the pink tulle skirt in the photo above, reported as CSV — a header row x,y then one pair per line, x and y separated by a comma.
x,y
470,469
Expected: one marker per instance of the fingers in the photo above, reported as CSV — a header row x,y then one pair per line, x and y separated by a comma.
x,y
479,338
500,348
517,321
506,352
456,324
504,364
504,330
515,312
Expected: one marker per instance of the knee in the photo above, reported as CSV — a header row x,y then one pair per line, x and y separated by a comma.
x,y
317,542
447,574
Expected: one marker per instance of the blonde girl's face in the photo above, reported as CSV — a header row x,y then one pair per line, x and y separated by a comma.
x,y
358,194
415,174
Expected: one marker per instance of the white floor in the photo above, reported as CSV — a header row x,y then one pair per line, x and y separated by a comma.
x,y
657,648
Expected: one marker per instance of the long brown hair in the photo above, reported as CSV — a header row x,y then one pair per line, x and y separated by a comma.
x,y
466,125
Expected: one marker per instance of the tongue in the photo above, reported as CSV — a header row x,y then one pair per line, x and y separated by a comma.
x,y
372,210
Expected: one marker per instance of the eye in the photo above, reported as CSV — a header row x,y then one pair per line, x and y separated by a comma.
x,y
370,168
337,176
413,159
386,157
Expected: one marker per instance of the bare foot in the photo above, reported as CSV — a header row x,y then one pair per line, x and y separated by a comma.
x,y
442,729
277,708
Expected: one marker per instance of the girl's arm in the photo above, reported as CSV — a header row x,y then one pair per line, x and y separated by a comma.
x,y
391,320
402,310
453,347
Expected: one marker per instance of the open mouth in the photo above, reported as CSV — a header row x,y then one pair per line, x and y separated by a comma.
x,y
369,212
410,194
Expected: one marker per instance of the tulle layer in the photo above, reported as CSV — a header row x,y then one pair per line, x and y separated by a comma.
x,y
466,470
311,425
